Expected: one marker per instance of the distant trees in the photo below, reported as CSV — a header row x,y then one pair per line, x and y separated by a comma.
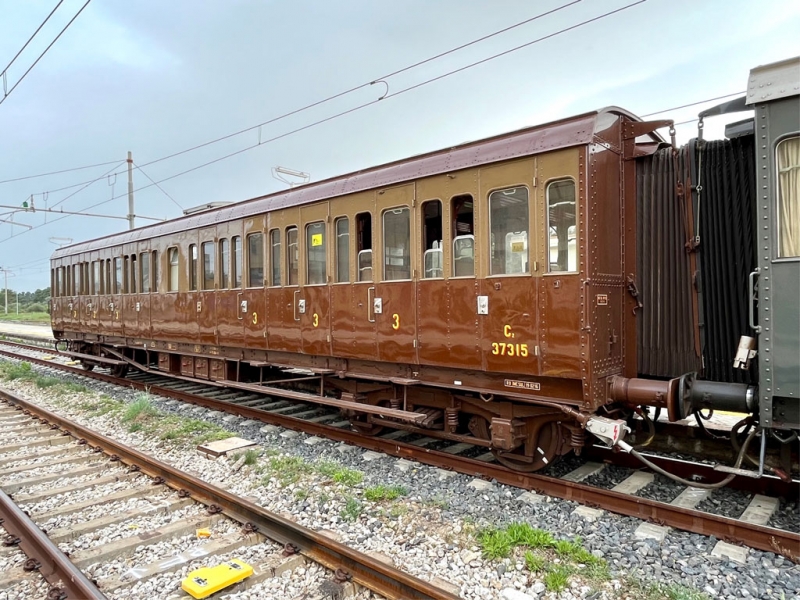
x,y
37,301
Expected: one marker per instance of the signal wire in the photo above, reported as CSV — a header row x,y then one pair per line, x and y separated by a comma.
x,y
114,162
8,93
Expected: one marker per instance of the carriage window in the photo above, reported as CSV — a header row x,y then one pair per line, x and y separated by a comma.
x,y
144,277
432,250
132,288
342,250
396,244
95,278
192,266
291,256
76,278
508,211
275,243
154,272
208,265
172,278
316,271
561,226
224,264
237,261
789,198
463,236
60,281
364,246
117,276
255,260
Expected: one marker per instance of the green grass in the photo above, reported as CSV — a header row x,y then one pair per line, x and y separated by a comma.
x,y
286,469
301,494
23,371
37,317
102,405
192,431
250,456
140,409
351,510
340,474
557,578
555,560
660,591
379,493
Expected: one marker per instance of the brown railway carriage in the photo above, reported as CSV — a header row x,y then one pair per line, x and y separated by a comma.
x,y
484,286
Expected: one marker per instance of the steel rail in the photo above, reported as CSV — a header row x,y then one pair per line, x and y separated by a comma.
x,y
371,573
44,555
760,537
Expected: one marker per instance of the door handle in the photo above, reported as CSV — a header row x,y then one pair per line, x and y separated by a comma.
x,y
242,306
370,304
294,305
751,309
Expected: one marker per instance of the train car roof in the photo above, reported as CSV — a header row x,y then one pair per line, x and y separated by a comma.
x,y
573,131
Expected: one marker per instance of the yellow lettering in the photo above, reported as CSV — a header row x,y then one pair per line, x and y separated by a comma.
x,y
495,348
511,349
523,350
507,331
396,324
255,318
316,320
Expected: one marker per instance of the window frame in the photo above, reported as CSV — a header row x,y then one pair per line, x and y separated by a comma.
x,y
145,277
193,254
204,282
224,258
249,269
294,229
173,282
237,262
423,238
308,252
275,263
336,250
488,241
547,185
776,252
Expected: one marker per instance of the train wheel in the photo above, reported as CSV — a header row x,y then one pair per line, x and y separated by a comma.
x,y
545,450
479,427
120,370
365,427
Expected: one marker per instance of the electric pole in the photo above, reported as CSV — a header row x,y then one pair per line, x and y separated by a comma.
x,y
131,214
5,274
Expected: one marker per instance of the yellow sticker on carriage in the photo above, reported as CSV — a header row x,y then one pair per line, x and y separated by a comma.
x,y
316,239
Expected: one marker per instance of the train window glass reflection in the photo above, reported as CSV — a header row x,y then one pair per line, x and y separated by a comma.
x,y
463,236
144,265
208,265
133,287
60,281
95,277
789,198
193,267
364,246
316,272
154,272
508,215
342,250
561,226
224,264
396,244
172,278
118,275
255,260
76,277
275,256
292,256
237,261
432,249
108,285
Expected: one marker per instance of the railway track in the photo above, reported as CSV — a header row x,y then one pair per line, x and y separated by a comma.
x,y
619,485
126,519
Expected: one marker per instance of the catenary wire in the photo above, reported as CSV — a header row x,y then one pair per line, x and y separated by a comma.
x,y
103,164
339,94
158,186
658,112
340,114
7,94
30,39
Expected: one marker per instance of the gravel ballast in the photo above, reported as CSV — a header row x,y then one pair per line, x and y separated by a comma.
x,y
430,529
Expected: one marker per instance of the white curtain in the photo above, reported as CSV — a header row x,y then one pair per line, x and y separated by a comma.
x,y
789,198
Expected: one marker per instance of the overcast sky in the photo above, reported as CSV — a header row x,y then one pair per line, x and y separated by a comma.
x,y
158,77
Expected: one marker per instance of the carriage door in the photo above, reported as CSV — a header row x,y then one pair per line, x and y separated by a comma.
x,y
314,305
207,284
284,293
228,298
394,302
112,306
562,286
353,315
252,298
508,303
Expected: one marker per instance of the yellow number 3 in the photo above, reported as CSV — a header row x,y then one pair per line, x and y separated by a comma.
x,y
396,324
316,320
255,318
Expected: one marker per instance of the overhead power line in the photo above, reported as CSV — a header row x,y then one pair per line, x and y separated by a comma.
x,y
113,162
658,112
47,18
6,94
331,97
